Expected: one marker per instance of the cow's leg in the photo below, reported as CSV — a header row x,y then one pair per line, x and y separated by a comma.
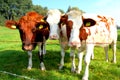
x,y
106,53
29,60
114,51
62,58
44,45
92,55
80,56
72,55
40,53
89,50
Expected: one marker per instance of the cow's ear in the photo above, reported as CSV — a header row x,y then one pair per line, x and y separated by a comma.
x,y
42,24
89,22
11,24
39,24
64,18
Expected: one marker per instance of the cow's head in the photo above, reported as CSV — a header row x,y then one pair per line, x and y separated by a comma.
x,y
28,27
74,22
53,18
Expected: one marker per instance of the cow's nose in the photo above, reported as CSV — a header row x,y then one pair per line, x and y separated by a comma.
x,y
53,37
27,47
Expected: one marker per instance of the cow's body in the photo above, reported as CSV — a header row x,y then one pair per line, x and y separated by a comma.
x,y
83,32
33,31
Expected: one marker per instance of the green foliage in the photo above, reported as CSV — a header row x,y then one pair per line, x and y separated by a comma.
x,y
2,20
14,9
118,34
14,60
40,9
75,8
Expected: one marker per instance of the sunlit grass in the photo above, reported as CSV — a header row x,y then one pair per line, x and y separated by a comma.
x,y
13,59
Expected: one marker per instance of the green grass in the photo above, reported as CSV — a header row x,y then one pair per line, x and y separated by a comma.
x,y
14,60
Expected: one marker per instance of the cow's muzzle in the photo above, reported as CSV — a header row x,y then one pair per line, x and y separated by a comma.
x,y
27,47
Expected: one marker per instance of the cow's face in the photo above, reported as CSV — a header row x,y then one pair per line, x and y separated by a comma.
x,y
28,34
74,18
28,27
53,18
75,24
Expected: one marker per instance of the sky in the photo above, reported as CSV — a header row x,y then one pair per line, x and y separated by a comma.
x,y
106,7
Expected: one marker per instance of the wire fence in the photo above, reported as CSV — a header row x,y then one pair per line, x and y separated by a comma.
x,y
16,75
50,42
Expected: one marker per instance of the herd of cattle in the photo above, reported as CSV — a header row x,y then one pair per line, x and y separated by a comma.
x,y
75,31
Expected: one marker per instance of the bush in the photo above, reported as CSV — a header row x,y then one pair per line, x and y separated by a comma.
x,y
2,21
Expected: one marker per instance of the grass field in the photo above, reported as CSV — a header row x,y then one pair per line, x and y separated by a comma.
x,y
13,61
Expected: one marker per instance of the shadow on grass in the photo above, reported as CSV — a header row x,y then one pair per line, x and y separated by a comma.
x,y
15,61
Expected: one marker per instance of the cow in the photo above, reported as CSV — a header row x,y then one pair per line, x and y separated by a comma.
x,y
87,31
34,30
82,32
55,18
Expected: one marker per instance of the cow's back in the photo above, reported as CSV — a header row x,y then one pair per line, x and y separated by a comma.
x,y
103,32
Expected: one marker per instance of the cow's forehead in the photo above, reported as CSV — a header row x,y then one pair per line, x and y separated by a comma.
x,y
76,18
53,12
24,23
53,16
27,25
74,14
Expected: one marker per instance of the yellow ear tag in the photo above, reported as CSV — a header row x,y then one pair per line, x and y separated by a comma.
x,y
42,20
41,26
88,24
13,26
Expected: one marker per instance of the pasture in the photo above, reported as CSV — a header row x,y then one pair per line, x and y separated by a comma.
x,y
14,60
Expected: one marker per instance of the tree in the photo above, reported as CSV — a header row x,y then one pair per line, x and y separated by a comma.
x,y
40,9
14,9
75,8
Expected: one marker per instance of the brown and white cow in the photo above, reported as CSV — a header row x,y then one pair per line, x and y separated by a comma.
x,y
83,32
91,30
33,31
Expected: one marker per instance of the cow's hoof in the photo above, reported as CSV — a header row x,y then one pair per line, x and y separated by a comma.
x,y
78,71
29,68
42,66
85,78
60,67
